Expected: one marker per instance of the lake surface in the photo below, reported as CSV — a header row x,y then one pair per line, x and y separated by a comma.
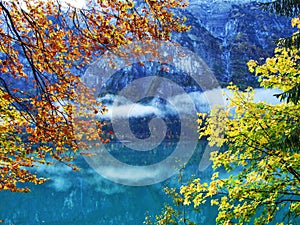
x,y
85,197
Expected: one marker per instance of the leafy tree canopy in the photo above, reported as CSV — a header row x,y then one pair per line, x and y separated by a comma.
x,y
44,47
257,174
290,8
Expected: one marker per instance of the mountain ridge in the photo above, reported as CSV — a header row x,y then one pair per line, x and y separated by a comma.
x,y
227,34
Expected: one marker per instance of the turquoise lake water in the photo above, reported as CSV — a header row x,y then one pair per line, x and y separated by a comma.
x,y
85,197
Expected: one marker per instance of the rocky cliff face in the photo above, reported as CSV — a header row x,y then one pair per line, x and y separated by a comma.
x,y
227,34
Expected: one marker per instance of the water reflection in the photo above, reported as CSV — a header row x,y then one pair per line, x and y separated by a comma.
x,y
85,197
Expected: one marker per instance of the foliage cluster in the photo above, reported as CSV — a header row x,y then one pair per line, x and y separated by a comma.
x,y
256,177
45,45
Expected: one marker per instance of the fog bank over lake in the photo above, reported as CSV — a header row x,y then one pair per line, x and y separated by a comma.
x,y
162,109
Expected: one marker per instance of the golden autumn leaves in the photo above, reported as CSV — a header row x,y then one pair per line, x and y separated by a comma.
x,y
44,48
261,150
256,177
14,153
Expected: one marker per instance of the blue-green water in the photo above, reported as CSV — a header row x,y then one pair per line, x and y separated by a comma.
x,y
85,197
